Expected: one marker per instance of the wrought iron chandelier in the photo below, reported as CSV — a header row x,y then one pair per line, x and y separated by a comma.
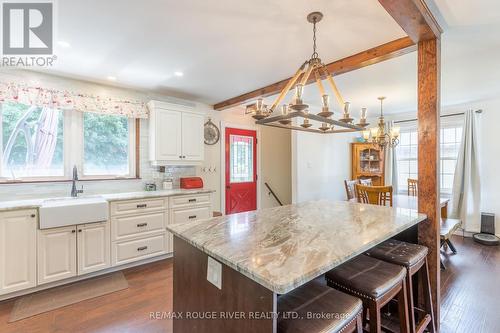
x,y
379,135
311,70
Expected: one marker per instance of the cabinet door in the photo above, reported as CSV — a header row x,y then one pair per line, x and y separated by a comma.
x,y
168,138
17,250
56,254
94,247
192,136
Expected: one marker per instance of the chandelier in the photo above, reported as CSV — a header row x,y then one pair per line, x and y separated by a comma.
x,y
311,70
379,136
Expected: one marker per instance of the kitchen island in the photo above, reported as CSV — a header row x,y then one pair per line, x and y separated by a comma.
x,y
264,253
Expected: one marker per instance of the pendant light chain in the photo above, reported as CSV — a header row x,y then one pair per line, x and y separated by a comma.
x,y
315,54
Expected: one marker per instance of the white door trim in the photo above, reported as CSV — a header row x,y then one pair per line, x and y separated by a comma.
x,y
223,126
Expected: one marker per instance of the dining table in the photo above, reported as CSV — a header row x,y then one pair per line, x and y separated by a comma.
x,y
411,202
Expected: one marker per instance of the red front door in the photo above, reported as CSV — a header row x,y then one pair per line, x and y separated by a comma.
x,y
241,170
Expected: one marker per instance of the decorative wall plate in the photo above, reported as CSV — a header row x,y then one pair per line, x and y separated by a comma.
x,y
211,133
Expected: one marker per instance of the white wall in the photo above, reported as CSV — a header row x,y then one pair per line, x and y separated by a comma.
x,y
276,155
321,163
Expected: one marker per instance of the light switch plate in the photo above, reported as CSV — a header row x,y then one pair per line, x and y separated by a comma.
x,y
214,272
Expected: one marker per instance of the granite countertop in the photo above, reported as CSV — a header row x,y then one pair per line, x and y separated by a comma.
x,y
282,248
36,203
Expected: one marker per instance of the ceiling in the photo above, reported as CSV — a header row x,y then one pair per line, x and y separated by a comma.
x,y
223,47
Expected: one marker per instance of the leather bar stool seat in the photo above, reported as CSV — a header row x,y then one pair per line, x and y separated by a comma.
x,y
376,282
399,253
414,258
315,307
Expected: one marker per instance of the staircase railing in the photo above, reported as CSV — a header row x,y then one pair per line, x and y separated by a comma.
x,y
273,194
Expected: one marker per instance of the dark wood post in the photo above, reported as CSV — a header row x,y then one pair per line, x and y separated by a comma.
x,y
429,53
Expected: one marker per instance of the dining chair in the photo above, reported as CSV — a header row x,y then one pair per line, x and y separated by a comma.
x,y
350,188
412,187
366,181
375,195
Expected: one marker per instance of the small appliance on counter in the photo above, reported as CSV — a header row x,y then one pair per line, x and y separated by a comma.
x,y
191,182
168,184
150,187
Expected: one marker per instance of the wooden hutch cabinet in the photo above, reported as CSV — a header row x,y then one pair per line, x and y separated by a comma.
x,y
368,162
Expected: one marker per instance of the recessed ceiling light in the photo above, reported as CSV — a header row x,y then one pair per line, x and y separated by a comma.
x,y
112,78
63,44
179,74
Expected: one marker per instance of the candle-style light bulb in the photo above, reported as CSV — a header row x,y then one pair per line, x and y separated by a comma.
x,y
299,90
260,103
363,113
366,135
325,99
346,108
284,109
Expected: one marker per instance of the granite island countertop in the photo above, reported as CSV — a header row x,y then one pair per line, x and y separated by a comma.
x,y
36,203
284,247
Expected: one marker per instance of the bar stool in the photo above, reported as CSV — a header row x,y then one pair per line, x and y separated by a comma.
x,y
414,258
376,282
342,312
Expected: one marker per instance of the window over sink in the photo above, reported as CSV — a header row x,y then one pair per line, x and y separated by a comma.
x,y
43,144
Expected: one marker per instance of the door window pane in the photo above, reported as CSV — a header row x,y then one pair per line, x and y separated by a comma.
x,y
241,159
32,141
106,145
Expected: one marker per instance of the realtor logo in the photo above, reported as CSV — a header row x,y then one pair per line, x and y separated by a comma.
x,y
27,28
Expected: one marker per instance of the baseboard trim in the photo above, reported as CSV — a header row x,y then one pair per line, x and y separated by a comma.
x,y
84,277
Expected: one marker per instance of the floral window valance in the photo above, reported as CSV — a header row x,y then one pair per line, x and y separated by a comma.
x,y
61,99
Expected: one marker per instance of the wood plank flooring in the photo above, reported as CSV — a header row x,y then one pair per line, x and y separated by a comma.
x,y
470,289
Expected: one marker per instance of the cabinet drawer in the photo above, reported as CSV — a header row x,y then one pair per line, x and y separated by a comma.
x,y
129,251
189,200
138,206
180,215
126,227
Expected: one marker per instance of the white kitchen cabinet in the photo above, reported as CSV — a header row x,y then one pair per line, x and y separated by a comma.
x,y
94,247
175,134
56,254
17,250
192,137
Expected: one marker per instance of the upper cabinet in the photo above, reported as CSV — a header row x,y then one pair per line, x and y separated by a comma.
x,y
175,134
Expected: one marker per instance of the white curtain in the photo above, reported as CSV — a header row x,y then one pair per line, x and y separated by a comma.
x,y
391,163
466,198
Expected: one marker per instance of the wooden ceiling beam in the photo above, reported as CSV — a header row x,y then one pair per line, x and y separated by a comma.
x,y
372,56
414,17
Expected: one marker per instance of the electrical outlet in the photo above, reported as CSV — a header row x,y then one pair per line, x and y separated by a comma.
x,y
214,272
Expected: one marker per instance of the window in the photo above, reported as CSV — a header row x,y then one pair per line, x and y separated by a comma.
x,y
241,161
39,143
451,138
105,145
32,142
407,154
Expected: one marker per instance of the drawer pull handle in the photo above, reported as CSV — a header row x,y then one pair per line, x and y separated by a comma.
x,y
142,225
142,248
142,206
33,215
192,200
192,217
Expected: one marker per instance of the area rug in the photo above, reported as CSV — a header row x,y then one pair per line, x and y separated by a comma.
x,y
58,297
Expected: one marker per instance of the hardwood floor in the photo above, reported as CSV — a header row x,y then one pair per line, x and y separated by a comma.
x,y
470,288
470,292
150,290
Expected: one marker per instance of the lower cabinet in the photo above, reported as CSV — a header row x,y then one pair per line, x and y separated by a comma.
x,y
17,250
93,247
70,251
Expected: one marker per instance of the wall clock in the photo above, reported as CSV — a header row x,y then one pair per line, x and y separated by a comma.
x,y
212,133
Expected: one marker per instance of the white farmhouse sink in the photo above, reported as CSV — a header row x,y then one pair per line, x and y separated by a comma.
x,y
70,211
